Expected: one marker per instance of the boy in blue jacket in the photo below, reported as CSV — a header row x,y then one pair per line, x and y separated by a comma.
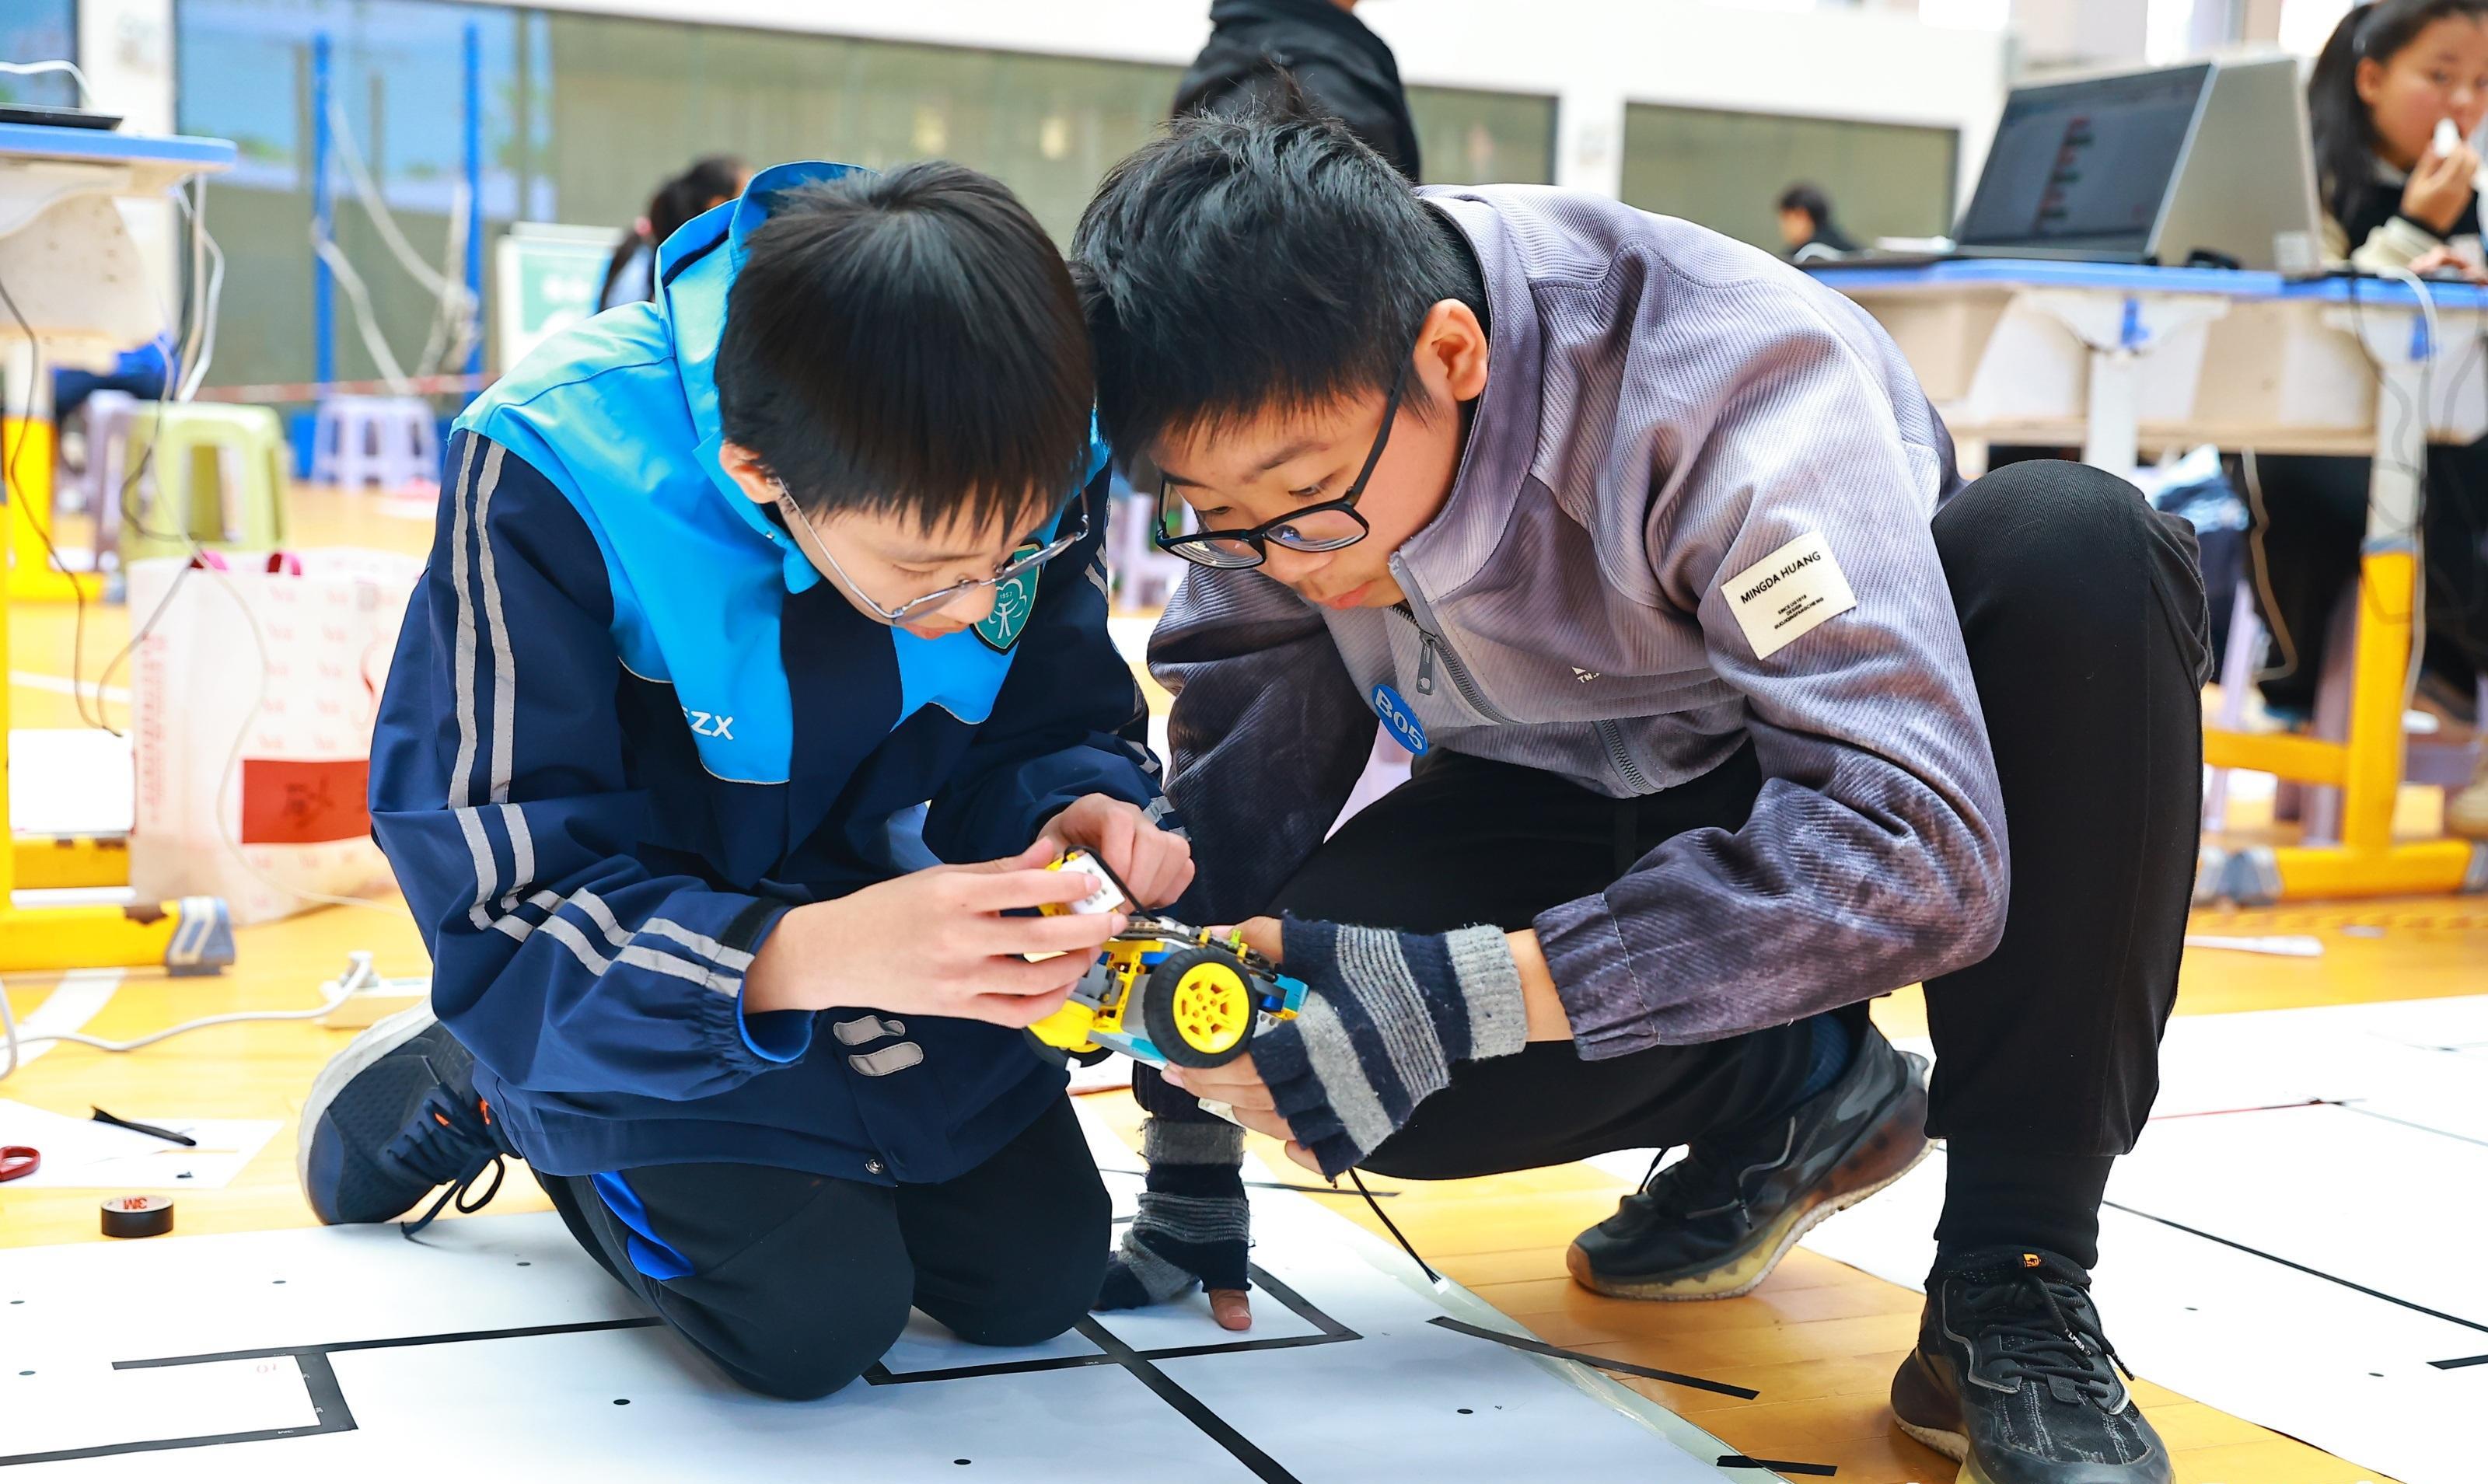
x,y
748,609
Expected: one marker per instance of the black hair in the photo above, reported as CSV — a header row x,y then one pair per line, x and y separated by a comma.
x,y
907,343
710,178
1269,261
1810,199
2345,134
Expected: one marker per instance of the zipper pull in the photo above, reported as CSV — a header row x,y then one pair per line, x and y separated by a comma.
x,y
1425,663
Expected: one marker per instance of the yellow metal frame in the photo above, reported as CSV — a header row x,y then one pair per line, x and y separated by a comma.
x,y
28,449
41,938
49,862
2367,769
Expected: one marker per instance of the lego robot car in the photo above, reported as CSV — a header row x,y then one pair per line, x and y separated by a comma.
x,y
1164,993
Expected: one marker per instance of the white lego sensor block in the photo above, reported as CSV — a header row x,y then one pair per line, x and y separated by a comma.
x,y
1107,898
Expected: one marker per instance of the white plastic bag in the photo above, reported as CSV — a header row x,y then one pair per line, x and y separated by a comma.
x,y
253,694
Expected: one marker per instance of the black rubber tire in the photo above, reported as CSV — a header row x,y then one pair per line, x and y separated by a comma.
x,y
1157,1008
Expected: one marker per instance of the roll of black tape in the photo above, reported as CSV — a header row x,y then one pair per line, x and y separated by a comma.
x,y
137,1215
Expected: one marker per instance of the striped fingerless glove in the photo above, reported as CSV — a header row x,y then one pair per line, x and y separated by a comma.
x,y
1191,1223
1384,1017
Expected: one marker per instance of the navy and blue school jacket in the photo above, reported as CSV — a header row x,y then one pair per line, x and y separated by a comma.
x,y
627,727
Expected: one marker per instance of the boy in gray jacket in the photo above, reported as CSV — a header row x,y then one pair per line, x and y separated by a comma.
x,y
1732,707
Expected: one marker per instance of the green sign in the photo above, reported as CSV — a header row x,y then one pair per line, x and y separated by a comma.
x,y
547,278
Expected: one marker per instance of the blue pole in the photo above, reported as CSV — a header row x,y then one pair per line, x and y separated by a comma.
x,y
324,286
475,188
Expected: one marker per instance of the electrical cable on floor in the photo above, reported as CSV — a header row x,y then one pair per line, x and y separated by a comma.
x,y
1375,1206
358,977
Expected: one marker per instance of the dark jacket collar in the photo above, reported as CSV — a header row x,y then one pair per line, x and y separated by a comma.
x,y
1319,12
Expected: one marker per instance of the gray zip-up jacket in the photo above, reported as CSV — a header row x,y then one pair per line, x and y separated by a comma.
x,y
1669,416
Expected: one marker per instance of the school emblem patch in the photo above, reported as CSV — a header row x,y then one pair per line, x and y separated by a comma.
x,y
1013,600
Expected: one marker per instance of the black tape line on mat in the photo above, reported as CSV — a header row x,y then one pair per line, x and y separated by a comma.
x,y
2424,1127
319,1378
2297,1267
1620,1367
340,1347
1776,1464
1328,1332
1194,1410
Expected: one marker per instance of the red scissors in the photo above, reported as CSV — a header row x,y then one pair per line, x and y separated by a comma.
x,y
17,1161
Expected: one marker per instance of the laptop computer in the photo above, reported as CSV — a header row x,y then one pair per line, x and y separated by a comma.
x,y
2204,162
48,116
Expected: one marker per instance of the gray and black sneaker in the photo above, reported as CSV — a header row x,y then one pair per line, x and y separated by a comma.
x,y
1715,1224
2014,1377
393,1117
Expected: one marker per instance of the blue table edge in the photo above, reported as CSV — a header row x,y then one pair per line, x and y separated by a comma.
x,y
46,141
2139,278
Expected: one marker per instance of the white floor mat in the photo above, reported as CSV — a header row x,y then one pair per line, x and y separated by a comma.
x,y
2297,1239
496,1348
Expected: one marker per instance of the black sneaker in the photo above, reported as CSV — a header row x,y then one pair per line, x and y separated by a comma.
x,y
392,1119
1715,1224
2013,1376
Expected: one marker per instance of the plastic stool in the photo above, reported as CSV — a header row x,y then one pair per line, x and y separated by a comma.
x,y
109,415
1142,576
386,441
242,449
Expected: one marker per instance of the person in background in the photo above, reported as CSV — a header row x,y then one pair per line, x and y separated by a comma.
x,y
1805,221
2388,76
142,370
2392,74
1346,70
630,276
146,372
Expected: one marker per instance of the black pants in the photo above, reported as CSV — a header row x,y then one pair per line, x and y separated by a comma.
x,y
2083,614
2310,521
799,1282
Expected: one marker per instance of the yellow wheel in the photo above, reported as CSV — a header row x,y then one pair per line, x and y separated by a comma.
x,y
1199,1007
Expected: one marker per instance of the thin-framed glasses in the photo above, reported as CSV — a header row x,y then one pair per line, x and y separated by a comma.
x,y
1327,526
807,539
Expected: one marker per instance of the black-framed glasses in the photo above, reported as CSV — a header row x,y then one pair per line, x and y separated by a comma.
x,y
807,539
1327,526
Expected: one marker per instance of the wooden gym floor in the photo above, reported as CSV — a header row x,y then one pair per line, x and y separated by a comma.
x,y
1820,1340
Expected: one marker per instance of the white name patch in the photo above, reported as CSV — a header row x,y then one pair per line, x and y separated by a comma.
x,y
1789,593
